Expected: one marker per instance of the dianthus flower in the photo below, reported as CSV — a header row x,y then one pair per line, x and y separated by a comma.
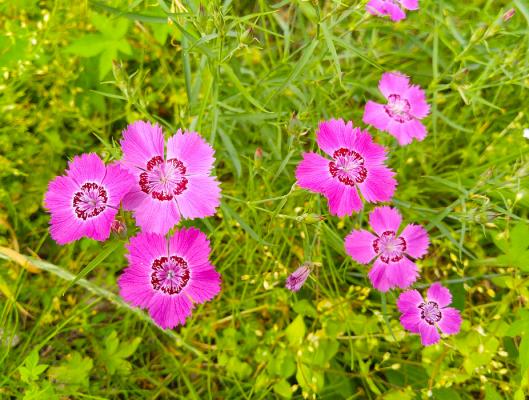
x,y
392,8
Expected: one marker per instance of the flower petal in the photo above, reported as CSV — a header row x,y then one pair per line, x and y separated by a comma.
x,y
313,173
411,320
419,108
429,334
201,198
416,239
450,322
439,294
343,199
376,115
379,185
359,245
384,219
393,83
192,150
170,311
335,134
156,216
141,142
410,4
409,299
402,273
86,168
378,276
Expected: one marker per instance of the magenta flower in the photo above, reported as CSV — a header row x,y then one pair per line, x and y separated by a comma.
x,y
405,108
356,162
297,278
166,276
392,267
171,186
391,8
85,201
425,317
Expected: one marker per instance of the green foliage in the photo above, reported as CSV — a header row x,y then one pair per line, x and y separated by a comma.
x,y
114,353
255,78
107,43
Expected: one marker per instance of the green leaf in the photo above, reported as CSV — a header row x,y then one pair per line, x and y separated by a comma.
x,y
310,379
283,389
88,46
73,372
31,369
491,393
113,28
113,355
515,248
295,332
105,61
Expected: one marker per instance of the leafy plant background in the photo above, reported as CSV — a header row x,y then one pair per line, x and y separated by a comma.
x,y
255,78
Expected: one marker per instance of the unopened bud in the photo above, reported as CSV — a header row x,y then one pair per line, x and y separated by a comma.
x,y
509,14
119,228
258,158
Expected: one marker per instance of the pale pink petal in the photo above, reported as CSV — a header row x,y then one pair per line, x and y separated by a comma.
x,y
335,134
118,182
359,245
416,239
204,285
384,219
170,311
378,276
412,129
313,173
156,216
409,299
135,286
102,224
376,7
201,198
86,168
401,131
439,294
410,4
394,11
376,115
134,198
297,278
411,319
379,185
402,273
419,108
66,228
343,199
141,142
193,245
429,334
192,150
450,322
144,248
374,154
393,83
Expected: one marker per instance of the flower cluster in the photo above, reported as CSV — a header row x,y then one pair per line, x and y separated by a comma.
x,y
355,164
161,183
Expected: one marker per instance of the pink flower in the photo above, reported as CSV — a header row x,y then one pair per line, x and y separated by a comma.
x,y
171,186
391,8
392,267
405,108
425,317
166,276
85,201
297,278
356,162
